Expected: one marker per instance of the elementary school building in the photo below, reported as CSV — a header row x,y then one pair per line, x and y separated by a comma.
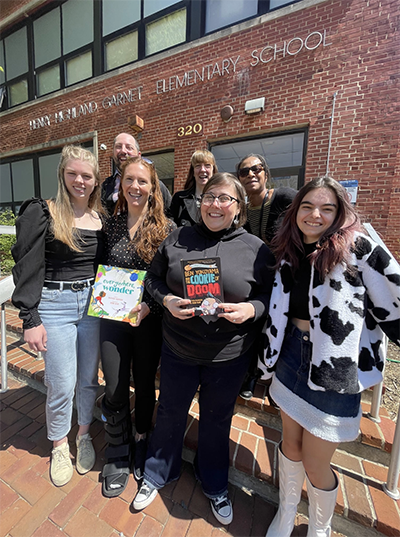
x,y
313,85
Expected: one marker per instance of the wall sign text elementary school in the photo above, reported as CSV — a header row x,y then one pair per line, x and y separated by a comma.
x,y
204,73
228,65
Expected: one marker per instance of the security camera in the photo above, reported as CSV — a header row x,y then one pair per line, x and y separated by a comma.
x,y
103,147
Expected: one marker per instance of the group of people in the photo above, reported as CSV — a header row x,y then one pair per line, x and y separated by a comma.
x,y
307,297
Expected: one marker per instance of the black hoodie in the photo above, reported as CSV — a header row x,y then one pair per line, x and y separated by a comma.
x,y
246,276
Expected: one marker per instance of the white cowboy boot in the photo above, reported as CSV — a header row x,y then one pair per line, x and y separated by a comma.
x,y
291,479
320,511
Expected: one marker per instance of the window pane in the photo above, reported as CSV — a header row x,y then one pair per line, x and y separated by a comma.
x,y
152,6
5,183
48,80
77,16
220,13
79,68
18,93
276,3
166,32
22,175
2,76
48,175
46,31
122,50
118,14
281,152
16,53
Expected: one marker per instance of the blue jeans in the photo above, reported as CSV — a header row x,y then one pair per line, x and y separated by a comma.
x,y
220,383
71,359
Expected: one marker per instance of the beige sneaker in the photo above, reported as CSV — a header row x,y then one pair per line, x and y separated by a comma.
x,y
85,454
61,469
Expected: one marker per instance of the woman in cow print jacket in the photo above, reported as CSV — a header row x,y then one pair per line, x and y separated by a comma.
x,y
336,293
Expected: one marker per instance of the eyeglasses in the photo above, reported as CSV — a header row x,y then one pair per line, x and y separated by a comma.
x,y
256,169
223,200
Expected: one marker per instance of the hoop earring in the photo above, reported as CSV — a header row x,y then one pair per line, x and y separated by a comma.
x,y
236,220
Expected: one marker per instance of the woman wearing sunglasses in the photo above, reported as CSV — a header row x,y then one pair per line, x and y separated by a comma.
x,y
213,355
266,207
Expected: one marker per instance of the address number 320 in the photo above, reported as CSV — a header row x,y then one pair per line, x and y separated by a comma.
x,y
190,130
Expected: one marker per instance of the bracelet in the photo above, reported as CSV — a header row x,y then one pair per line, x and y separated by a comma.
x,y
163,301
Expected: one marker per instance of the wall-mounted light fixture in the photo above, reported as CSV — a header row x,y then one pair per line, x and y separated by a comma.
x,y
254,106
136,123
103,147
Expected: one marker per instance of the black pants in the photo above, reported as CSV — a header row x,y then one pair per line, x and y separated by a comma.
x,y
124,349
219,387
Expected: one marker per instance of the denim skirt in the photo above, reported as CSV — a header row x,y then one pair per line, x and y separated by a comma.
x,y
329,415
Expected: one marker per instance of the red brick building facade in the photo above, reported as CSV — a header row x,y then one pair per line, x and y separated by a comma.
x,y
328,69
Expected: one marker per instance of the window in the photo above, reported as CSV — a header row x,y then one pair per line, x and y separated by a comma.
x,y
121,51
166,32
33,175
65,42
154,6
57,35
16,66
284,153
164,164
220,13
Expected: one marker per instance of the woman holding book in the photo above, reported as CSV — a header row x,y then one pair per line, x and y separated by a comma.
x,y
211,351
335,294
185,204
59,245
132,237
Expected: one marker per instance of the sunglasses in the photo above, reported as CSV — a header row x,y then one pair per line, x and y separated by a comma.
x,y
256,169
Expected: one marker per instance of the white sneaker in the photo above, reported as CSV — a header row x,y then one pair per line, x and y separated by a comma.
x,y
222,508
85,454
145,496
61,469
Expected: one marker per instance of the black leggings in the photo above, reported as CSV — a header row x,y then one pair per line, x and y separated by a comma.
x,y
124,349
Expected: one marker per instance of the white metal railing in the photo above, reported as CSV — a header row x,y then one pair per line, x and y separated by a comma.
x,y
6,290
390,487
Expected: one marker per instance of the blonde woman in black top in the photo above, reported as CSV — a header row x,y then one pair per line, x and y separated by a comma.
x,y
59,245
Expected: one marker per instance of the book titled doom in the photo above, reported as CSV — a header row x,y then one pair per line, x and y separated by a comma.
x,y
203,286
115,292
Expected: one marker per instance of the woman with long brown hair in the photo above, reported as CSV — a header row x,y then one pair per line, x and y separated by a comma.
x,y
59,245
335,294
132,237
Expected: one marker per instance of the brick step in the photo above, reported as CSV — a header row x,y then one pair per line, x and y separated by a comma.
x,y
362,506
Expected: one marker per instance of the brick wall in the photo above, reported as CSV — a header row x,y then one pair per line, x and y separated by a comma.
x,y
359,62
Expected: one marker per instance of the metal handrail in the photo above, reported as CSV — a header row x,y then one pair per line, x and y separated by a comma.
x,y
6,290
390,487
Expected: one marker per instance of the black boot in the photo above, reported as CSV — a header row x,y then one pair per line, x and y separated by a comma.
x,y
118,434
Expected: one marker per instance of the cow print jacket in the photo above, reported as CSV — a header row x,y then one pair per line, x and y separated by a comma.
x,y
349,314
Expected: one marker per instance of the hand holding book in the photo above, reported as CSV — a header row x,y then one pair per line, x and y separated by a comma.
x,y
237,313
138,313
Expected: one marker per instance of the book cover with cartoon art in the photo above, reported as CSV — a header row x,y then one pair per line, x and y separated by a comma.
x,y
203,286
115,292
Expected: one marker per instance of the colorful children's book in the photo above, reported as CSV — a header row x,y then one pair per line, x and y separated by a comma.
x,y
203,286
115,292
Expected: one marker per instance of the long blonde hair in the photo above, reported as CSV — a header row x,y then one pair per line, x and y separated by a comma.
x,y
61,210
154,227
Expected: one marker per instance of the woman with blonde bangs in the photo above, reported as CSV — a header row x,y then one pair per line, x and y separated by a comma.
x,y
132,237
185,204
59,245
